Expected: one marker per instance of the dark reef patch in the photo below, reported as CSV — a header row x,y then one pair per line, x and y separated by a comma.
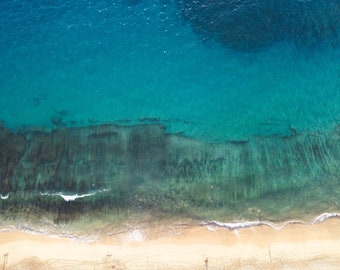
x,y
250,25
144,167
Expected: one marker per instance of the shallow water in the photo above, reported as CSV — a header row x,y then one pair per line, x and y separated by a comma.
x,y
209,70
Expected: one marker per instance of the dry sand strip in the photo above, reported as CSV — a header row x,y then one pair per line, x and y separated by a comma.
x,y
296,246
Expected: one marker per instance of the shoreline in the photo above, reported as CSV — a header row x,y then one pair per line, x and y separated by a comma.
x,y
99,226
294,246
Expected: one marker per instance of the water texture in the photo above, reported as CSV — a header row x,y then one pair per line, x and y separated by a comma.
x,y
214,70
251,25
210,109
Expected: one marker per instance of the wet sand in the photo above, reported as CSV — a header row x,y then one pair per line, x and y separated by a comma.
x,y
295,246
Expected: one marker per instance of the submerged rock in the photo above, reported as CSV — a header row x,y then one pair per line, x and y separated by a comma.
x,y
127,160
12,147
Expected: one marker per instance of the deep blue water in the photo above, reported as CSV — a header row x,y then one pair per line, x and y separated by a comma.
x,y
215,70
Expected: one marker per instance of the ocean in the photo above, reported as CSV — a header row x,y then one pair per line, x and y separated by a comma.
x,y
207,110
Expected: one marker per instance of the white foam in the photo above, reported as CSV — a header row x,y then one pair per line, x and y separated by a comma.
x,y
247,224
325,216
76,196
71,197
135,236
29,229
5,197
237,225
8,228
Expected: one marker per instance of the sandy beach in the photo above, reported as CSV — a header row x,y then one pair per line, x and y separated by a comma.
x,y
296,246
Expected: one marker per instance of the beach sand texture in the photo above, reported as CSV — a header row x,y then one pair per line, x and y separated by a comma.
x,y
295,246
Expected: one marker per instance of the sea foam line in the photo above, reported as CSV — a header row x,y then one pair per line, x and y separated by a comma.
x,y
25,228
247,224
4,197
72,197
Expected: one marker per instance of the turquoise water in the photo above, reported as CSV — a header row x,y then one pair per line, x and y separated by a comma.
x,y
102,61
254,87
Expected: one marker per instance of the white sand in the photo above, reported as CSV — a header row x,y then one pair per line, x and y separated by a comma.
x,y
294,247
